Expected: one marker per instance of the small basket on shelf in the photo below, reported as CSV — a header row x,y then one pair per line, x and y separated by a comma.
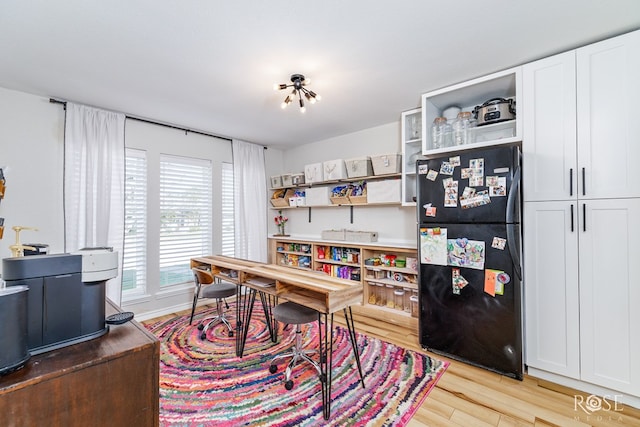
x,y
358,193
340,195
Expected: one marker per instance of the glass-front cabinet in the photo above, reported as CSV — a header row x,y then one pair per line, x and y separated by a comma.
x,y
477,113
411,151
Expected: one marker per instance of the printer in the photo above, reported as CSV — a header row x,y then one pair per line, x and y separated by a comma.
x,y
66,295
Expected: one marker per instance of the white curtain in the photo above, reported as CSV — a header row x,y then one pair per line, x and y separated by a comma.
x,y
250,203
94,166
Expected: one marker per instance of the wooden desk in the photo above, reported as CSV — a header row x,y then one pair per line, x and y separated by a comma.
x,y
108,381
318,291
323,293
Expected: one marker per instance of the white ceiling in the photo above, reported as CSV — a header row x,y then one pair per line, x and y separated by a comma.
x,y
210,65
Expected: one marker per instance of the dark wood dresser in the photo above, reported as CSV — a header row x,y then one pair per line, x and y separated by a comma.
x,y
108,381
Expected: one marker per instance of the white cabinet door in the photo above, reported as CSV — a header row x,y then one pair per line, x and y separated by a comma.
x,y
610,293
411,152
608,89
551,287
549,139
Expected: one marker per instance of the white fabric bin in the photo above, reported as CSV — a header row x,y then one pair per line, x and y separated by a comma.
x,y
317,196
313,173
276,181
359,167
286,180
384,191
333,234
386,164
361,236
334,169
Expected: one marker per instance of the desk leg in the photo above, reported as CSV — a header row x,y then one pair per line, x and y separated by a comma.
x,y
248,301
239,302
326,355
326,361
348,316
267,306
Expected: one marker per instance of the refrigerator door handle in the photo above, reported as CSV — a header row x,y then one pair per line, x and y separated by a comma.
x,y
513,249
510,216
513,197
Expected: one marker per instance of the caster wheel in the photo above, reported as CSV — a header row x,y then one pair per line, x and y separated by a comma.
x,y
288,385
273,369
200,327
231,333
203,336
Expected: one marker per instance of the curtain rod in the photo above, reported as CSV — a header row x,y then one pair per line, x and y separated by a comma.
x,y
64,103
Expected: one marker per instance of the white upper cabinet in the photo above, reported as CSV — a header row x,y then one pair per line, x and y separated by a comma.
x,y
581,132
504,85
549,121
608,89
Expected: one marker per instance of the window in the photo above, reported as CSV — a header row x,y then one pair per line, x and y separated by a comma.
x,y
228,230
135,236
185,215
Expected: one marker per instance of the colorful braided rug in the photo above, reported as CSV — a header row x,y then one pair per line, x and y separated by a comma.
x,y
203,383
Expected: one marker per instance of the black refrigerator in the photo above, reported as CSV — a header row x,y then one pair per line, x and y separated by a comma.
x,y
469,244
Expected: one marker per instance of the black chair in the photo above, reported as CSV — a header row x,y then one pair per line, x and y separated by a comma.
x,y
217,291
294,314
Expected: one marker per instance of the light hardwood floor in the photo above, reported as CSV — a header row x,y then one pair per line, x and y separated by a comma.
x,y
468,396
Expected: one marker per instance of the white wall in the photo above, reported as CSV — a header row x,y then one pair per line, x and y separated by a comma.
x,y
31,154
394,224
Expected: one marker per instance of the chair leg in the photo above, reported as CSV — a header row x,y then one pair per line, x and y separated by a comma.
x,y
218,318
196,295
298,355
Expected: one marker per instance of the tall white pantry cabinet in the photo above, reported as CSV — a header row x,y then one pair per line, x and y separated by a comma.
x,y
581,159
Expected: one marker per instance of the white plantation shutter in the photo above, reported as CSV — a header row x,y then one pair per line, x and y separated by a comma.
x,y
228,233
185,215
134,265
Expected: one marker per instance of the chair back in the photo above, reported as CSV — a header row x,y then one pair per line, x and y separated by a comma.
x,y
202,277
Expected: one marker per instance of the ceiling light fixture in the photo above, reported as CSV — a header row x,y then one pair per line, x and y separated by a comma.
x,y
298,83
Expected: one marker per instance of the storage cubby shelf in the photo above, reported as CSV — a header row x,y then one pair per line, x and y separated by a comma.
x,y
279,254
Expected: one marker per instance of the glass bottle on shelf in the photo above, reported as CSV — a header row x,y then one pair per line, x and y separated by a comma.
x,y
390,296
440,133
415,126
373,294
414,304
406,302
382,295
398,299
461,128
